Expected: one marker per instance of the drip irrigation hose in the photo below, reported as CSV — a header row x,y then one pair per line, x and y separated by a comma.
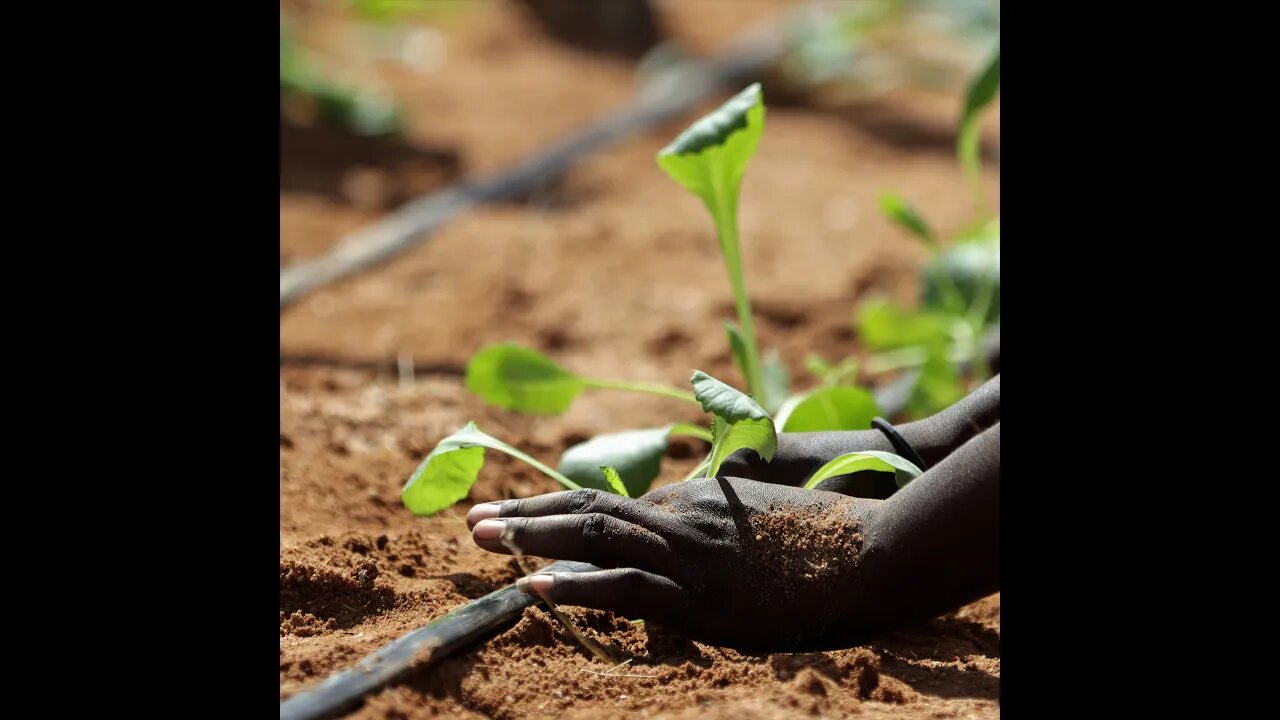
x,y
344,690
669,94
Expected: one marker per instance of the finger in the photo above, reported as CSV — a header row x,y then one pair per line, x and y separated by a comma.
x,y
626,591
586,501
596,538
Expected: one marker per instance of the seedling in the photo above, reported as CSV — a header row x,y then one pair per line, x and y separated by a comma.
x,y
737,423
960,287
709,159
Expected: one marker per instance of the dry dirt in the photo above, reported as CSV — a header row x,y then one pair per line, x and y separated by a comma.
x,y
613,270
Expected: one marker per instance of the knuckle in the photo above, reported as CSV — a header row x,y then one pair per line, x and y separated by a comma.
x,y
584,500
595,527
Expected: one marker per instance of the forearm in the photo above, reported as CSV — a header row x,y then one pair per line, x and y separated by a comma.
x,y
938,436
934,545
801,454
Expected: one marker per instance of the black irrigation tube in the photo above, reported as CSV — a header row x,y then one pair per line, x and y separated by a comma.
x,y
344,690
667,95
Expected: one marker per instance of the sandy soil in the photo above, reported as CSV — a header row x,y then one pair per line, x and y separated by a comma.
x,y
613,270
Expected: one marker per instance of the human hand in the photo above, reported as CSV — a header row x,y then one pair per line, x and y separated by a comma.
x,y
728,561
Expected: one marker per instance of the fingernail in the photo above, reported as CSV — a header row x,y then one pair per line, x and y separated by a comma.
x,y
488,530
535,584
483,511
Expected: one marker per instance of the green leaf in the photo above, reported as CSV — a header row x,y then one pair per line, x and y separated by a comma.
x,y
518,378
636,455
972,266
737,348
938,387
829,408
777,381
982,90
902,213
449,471
904,471
739,421
709,159
884,326
615,481
711,156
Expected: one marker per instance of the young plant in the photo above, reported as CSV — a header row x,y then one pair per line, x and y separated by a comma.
x,y
449,471
737,423
709,159
517,378
960,286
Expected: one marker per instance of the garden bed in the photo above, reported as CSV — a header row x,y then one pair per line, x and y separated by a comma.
x,y
612,270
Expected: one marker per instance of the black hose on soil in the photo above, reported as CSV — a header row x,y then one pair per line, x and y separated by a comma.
x,y
344,690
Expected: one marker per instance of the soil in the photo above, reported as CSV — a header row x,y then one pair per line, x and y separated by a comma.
x,y
613,270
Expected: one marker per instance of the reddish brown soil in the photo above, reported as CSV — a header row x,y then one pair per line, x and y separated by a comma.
x,y
614,271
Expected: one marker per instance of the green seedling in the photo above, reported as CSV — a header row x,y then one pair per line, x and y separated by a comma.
x,y
737,423
709,159
518,378
449,471
960,286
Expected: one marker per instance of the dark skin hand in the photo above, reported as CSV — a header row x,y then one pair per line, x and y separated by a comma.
x,y
799,455
767,566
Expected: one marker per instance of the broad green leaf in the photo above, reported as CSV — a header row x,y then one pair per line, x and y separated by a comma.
x,y
710,157
884,326
449,470
518,378
614,480
904,471
830,408
901,212
739,421
636,455
777,381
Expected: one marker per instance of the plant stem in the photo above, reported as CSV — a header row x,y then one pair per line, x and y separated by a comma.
x,y
641,387
726,219
517,454
702,467
690,430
